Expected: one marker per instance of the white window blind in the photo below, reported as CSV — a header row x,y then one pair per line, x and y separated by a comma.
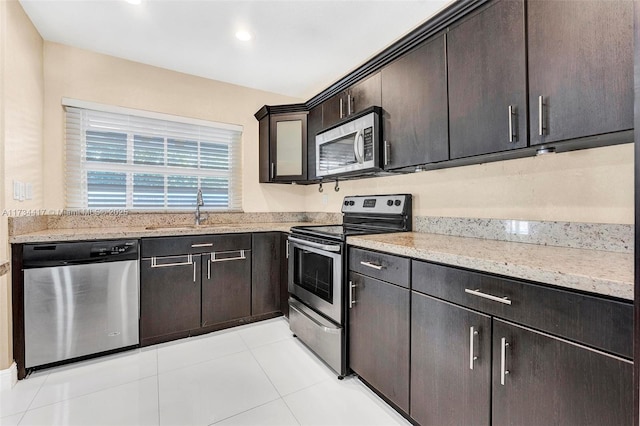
x,y
125,161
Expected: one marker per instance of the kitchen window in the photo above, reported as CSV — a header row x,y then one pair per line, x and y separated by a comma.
x,y
137,160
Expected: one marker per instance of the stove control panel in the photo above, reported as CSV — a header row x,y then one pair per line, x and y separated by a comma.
x,y
379,204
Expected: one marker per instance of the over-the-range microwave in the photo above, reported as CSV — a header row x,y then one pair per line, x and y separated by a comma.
x,y
351,147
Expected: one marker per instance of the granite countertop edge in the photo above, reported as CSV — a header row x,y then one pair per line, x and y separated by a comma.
x,y
80,234
598,272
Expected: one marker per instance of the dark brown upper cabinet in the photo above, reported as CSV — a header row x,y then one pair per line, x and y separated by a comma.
x,y
360,96
580,68
314,125
283,143
487,81
414,103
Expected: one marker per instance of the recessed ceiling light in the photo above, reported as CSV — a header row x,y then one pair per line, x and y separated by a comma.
x,y
134,1
243,35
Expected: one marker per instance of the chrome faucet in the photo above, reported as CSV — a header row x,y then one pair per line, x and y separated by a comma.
x,y
199,203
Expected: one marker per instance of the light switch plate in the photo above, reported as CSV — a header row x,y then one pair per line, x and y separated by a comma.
x,y
28,191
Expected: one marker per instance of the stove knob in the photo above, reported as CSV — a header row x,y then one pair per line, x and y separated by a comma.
x,y
351,203
346,203
390,203
398,202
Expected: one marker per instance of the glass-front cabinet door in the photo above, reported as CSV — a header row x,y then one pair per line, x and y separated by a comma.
x,y
288,147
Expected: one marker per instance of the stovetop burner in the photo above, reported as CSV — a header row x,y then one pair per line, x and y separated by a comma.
x,y
370,214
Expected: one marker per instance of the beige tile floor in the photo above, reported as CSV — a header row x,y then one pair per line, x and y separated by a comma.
x,y
257,374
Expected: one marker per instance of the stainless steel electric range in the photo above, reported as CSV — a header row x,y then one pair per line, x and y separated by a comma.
x,y
317,271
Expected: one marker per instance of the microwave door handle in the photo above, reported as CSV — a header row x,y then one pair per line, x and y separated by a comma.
x,y
356,147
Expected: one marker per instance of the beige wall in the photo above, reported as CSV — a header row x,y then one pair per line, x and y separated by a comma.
x,y
21,101
593,185
88,76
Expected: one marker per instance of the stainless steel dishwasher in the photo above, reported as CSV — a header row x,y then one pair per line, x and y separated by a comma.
x,y
80,298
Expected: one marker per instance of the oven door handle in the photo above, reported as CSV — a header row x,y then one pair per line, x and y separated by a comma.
x,y
325,247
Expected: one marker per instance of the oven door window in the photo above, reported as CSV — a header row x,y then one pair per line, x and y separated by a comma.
x,y
314,273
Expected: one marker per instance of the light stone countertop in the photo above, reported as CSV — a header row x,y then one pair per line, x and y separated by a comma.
x,y
79,234
4,267
595,271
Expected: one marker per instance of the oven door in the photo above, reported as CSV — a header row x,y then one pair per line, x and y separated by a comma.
x,y
315,275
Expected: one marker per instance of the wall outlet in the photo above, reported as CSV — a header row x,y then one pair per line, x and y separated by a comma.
x,y
18,190
28,191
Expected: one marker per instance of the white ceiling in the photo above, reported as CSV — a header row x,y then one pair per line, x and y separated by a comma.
x,y
299,47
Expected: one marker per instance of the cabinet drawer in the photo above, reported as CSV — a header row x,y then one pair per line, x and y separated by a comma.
x,y
595,321
168,246
384,267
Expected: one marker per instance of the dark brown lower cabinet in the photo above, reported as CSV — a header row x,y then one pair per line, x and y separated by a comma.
x,y
226,286
169,296
450,363
543,380
265,273
379,337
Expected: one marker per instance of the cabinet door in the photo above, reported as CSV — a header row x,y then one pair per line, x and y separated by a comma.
x,y
487,81
581,64
554,382
450,363
334,109
379,337
226,286
264,171
288,147
265,273
414,100
169,295
284,274
314,125
365,94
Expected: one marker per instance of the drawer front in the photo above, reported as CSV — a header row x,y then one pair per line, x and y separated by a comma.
x,y
385,267
169,246
591,320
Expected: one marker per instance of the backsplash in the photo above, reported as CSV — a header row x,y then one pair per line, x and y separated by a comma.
x,y
594,236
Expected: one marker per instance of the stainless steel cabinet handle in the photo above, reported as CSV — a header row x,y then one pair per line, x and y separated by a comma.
x,y
478,293
341,109
386,153
326,247
202,245
472,333
503,360
352,300
209,268
287,249
372,265
194,272
541,126
349,100
228,259
513,136
273,171
154,262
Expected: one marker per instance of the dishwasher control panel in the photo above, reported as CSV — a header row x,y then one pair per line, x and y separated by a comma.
x,y
78,253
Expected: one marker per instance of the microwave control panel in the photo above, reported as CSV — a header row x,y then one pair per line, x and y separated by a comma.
x,y
368,143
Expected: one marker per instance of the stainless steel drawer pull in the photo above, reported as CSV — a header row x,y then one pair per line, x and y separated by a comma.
x,y
503,360
478,293
154,262
209,268
194,271
352,299
472,333
242,256
341,109
387,154
202,245
372,265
